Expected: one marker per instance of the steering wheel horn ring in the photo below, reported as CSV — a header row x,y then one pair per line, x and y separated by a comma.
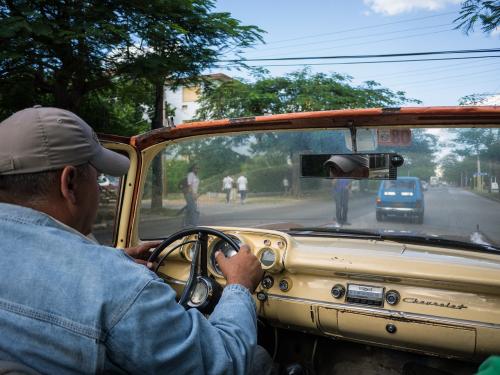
x,y
201,291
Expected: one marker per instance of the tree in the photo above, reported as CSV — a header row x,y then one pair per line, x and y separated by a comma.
x,y
78,56
67,54
480,148
176,42
458,170
419,159
72,54
124,108
57,52
295,92
485,12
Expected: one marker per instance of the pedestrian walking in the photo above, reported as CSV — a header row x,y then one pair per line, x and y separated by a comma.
x,y
242,188
227,185
191,195
341,191
286,186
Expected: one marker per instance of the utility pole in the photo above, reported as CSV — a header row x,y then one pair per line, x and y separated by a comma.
x,y
479,177
157,169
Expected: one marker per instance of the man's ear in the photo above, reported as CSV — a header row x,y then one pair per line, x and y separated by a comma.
x,y
68,181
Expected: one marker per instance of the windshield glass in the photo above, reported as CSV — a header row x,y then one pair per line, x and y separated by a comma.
x,y
447,186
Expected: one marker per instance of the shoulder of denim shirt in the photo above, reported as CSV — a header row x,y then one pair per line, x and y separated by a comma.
x,y
25,215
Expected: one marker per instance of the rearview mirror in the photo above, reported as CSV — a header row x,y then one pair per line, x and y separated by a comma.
x,y
380,166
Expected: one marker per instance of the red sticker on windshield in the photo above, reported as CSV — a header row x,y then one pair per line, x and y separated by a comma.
x,y
394,137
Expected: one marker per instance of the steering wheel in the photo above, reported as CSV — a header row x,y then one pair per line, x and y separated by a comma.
x,y
201,291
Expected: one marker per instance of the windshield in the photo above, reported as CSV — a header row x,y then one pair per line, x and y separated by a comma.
x,y
447,186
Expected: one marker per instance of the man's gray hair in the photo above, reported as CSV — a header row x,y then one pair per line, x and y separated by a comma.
x,y
32,187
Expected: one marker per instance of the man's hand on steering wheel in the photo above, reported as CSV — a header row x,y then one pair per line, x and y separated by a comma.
x,y
243,268
201,290
141,252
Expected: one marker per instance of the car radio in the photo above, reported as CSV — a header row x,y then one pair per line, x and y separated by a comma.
x,y
365,295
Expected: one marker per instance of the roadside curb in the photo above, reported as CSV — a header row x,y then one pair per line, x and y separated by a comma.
x,y
487,196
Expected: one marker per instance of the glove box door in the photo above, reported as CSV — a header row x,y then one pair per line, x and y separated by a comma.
x,y
425,336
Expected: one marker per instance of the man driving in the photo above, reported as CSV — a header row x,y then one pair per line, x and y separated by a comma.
x,y
69,305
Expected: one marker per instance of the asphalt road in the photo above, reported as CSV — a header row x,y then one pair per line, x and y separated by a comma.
x,y
449,211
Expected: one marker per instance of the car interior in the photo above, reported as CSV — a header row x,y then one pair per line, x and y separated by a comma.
x,y
391,296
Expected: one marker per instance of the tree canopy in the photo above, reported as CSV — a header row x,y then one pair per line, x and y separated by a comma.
x,y
79,55
299,91
474,99
419,156
469,146
484,12
487,14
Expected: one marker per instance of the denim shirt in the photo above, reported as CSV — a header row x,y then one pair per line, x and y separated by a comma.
x,y
70,306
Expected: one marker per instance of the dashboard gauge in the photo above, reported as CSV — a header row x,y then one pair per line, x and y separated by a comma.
x,y
227,250
270,259
267,257
199,295
188,247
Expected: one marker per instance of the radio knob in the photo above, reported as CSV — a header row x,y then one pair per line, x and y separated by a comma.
x,y
391,328
338,291
261,296
392,297
285,285
267,282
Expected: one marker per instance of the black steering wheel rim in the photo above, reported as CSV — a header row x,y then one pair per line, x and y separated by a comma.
x,y
198,271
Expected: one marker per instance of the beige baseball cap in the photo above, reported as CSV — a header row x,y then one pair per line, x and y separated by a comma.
x,y
43,139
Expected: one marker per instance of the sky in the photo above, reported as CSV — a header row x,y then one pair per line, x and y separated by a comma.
x,y
358,27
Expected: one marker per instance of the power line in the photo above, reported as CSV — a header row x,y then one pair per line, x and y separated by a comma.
x,y
361,28
431,71
370,62
486,50
354,37
462,76
371,42
259,48
428,69
457,85
488,94
467,81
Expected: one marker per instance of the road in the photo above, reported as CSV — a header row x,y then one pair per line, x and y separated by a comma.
x,y
449,211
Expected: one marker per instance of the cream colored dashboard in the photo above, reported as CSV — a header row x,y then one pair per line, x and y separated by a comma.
x,y
433,300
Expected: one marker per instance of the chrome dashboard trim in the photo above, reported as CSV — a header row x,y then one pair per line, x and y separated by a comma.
x,y
171,280
387,313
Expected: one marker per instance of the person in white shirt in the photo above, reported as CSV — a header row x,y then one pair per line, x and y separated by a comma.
x,y
286,185
191,195
227,184
193,181
242,188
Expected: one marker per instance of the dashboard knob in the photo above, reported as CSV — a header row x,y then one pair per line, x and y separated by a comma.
x,y
392,297
261,296
338,291
391,328
267,282
284,285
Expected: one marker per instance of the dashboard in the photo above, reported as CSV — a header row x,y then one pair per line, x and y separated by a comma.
x,y
417,298
269,249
